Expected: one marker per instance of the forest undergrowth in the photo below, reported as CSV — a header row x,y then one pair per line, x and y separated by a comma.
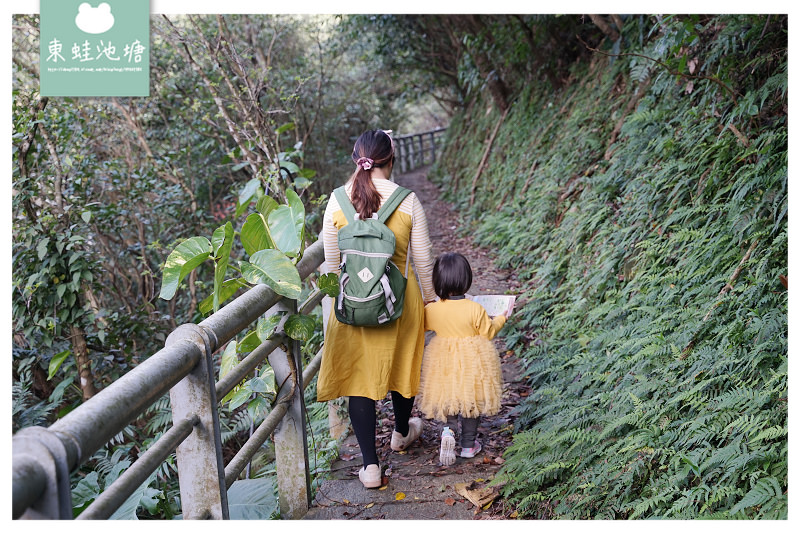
x,y
646,216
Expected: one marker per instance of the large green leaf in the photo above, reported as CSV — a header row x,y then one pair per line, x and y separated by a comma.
x,y
229,288
255,234
329,284
257,384
299,327
265,205
286,225
227,361
87,489
266,326
185,258
238,397
127,511
250,191
273,268
250,342
258,407
221,244
252,499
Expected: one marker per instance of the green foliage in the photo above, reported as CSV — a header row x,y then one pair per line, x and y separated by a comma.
x,y
253,499
654,326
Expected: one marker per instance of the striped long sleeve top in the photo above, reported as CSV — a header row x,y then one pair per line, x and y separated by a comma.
x,y
421,253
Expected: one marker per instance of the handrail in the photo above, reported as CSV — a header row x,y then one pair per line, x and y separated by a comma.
x,y
42,456
417,149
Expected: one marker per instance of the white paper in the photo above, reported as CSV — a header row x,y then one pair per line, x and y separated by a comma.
x,y
496,304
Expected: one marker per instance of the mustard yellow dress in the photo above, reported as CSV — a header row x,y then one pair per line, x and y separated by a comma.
x,y
461,371
371,361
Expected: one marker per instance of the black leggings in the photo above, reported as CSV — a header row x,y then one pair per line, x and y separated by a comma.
x,y
363,418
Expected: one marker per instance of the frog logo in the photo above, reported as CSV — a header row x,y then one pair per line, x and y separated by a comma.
x,y
94,20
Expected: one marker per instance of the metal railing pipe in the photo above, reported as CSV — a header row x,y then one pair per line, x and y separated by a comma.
x,y
247,365
254,443
114,496
28,482
86,429
312,368
245,309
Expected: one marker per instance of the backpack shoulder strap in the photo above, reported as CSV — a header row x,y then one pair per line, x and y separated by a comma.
x,y
392,203
345,204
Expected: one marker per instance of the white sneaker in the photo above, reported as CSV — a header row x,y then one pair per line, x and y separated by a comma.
x,y
370,476
399,442
447,449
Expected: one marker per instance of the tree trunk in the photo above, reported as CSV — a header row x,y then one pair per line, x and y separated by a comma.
x,y
497,86
605,27
78,336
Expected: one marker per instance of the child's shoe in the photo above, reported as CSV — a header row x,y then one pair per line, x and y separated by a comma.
x,y
472,452
447,449
370,476
399,442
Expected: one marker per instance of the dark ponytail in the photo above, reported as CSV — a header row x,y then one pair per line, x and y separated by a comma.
x,y
373,148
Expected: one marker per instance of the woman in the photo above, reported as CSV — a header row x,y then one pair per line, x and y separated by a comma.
x,y
364,363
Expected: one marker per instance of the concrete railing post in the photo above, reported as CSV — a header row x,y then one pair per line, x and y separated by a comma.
x,y
42,471
291,444
201,471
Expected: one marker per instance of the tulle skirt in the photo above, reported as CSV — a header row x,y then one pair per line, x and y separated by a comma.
x,y
460,376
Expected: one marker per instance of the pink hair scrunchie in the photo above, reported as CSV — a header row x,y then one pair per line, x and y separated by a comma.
x,y
365,163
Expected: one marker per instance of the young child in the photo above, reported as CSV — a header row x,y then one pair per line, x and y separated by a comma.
x,y
461,374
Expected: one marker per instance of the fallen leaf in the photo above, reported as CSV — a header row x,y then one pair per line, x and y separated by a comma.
x,y
499,460
486,460
449,501
384,487
369,505
478,496
345,501
400,496
347,457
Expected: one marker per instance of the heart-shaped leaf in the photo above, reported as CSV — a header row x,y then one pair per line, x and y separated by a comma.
x,y
259,385
266,326
249,343
286,225
329,284
273,268
300,327
183,259
265,205
255,234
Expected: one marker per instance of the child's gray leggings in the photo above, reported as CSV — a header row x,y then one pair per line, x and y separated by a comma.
x,y
469,429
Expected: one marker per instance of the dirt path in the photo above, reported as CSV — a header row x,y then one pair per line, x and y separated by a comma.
x,y
415,486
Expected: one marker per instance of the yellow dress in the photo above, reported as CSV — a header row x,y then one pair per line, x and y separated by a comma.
x,y
461,367
371,361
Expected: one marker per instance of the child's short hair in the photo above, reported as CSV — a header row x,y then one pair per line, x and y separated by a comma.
x,y
452,275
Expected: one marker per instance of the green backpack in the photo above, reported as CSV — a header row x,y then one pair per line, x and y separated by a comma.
x,y
371,287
